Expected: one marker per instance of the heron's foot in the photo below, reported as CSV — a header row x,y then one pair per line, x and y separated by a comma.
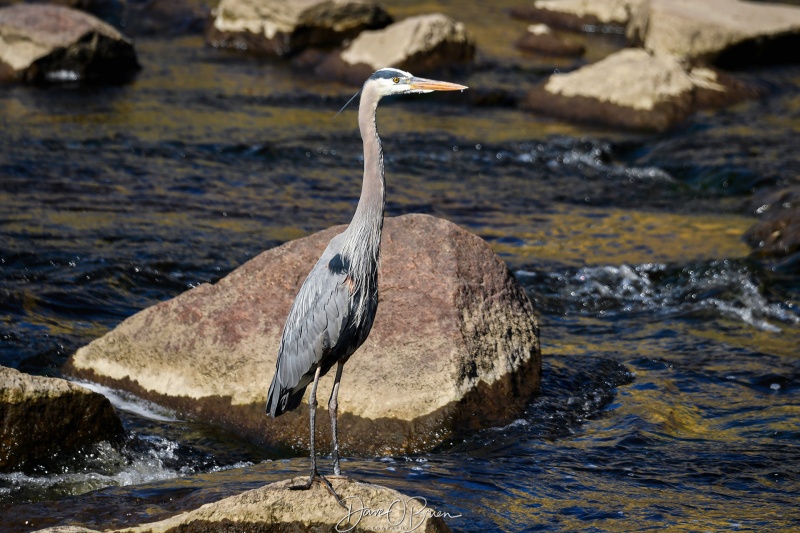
x,y
316,477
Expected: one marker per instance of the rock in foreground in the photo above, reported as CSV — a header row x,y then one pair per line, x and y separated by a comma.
x,y
42,418
454,346
634,89
276,508
52,44
281,28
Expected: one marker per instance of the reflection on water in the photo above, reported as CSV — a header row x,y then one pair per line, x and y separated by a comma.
x,y
670,384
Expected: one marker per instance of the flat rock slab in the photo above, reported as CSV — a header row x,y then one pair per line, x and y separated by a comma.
x,y
276,508
579,15
42,43
44,417
454,346
421,44
703,31
280,28
634,89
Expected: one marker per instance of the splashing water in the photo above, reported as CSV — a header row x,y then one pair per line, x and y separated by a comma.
x,y
728,289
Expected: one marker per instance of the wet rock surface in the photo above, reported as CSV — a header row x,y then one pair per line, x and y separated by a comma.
x,y
42,418
454,346
52,44
278,28
277,508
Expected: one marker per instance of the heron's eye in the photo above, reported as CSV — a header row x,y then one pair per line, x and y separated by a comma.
x,y
396,80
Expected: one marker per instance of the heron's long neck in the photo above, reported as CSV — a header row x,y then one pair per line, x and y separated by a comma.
x,y
364,232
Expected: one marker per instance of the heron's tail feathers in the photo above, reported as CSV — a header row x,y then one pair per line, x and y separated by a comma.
x,y
280,400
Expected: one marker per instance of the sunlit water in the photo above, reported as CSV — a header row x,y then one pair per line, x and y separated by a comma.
x,y
671,385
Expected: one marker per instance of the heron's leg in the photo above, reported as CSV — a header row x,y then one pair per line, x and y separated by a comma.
x,y
333,405
312,406
312,409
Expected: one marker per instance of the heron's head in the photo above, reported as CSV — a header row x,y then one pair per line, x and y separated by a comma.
x,y
388,81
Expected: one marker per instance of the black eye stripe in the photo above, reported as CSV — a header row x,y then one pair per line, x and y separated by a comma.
x,y
388,74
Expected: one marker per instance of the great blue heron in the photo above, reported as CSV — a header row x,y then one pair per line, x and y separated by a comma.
x,y
334,310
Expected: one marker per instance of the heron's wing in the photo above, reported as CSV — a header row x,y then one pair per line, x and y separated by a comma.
x,y
316,322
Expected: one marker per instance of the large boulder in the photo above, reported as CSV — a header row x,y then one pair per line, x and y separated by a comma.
x,y
454,346
421,44
634,89
276,508
722,31
51,44
281,28
43,418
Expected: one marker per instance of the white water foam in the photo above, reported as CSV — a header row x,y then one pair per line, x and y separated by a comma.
x,y
127,402
721,287
103,470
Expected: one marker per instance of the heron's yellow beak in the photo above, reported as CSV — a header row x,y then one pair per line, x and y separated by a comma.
x,y
422,84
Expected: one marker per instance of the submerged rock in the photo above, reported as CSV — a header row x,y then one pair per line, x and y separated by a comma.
x,y
277,508
281,28
454,346
52,44
42,418
634,89
727,32
420,44
540,39
777,232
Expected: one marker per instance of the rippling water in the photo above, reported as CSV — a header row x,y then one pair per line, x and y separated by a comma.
x,y
671,375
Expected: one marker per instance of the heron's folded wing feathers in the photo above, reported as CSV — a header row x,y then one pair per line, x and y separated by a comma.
x,y
313,327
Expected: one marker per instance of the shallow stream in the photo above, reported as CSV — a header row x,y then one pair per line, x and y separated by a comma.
x,y
671,383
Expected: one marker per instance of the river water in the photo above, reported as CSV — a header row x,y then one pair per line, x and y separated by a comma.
x,y
671,384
